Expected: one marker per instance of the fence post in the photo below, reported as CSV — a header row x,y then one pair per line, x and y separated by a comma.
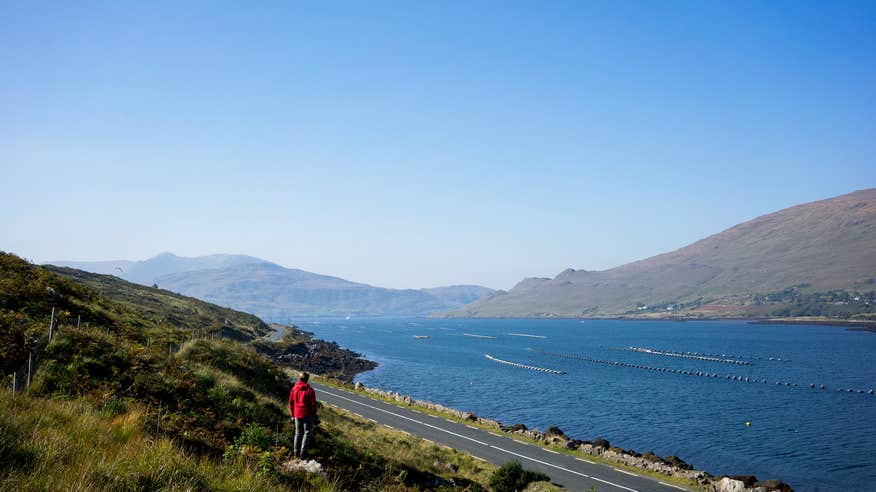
x,y
51,323
14,382
29,367
78,319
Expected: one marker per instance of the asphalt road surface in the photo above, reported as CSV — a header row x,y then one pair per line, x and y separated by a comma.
x,y
566,471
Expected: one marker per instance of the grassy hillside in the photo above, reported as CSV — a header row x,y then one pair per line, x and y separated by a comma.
x,y
147,271
139,397
159,307
815,248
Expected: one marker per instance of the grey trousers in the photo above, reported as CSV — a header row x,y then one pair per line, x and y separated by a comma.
x,y
303,434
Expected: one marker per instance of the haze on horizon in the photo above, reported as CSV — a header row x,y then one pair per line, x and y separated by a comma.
x,y
420,146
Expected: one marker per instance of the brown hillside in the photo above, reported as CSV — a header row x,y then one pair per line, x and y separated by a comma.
x,y
824,245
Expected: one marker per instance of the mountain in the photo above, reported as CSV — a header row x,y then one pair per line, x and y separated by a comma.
x,y
275,292
797,261
146,272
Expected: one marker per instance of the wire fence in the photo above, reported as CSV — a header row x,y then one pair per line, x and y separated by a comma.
x,y
19,381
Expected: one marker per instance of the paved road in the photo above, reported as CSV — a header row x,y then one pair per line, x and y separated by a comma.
x,y
571,473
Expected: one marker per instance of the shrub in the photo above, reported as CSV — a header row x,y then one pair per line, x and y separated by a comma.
x,y
511,477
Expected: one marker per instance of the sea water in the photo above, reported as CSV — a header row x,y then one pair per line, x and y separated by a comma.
x,y
813,439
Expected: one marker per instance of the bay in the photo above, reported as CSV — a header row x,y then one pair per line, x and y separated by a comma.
x,y
813,439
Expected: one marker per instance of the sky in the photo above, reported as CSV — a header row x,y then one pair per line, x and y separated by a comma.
x,y
416,144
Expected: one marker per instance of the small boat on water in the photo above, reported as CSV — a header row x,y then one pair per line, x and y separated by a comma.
x,y
420,337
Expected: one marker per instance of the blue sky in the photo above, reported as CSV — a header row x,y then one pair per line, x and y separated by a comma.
x,y
414,144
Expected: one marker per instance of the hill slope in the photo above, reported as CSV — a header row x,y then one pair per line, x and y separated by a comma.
x,y
136,397
147,271
817,247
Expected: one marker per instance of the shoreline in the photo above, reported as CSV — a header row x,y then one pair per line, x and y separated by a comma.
x,y
851,324
599,448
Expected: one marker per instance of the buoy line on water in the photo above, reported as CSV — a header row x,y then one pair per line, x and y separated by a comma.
x,y
683,355
523,366
705,374
706,354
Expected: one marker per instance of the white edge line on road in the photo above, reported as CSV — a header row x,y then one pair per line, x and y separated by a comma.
x,y
564,469
550,451
624,471
483,443
670,485
478,458
472,427
372,420
406,418
586,461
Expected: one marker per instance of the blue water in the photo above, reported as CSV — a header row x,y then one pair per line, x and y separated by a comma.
x,y
812,439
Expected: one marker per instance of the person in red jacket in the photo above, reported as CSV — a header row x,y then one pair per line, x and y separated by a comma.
x,y
302,409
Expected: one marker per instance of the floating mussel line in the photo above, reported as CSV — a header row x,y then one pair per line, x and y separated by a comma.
x,y
730,377
704,354
683,355
523,366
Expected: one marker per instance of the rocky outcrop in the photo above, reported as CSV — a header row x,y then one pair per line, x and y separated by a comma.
x,y
319,357
748,483
670,466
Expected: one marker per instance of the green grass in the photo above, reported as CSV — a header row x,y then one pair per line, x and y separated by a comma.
x,y
111,408
45,443
402,453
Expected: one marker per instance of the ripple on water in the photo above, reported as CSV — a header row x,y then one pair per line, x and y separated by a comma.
x,y
806,437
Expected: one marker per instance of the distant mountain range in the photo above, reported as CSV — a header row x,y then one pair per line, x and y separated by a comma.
x,y
277,293
810,259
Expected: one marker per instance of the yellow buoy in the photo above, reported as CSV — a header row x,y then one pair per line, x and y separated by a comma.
x,y
748,424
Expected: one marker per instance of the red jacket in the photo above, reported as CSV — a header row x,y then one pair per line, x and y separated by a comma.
x,y
302,401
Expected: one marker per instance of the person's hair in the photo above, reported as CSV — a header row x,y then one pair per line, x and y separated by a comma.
x,y
304,376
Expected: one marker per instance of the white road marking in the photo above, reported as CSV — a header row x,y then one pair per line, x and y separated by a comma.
x,y
478,458
472,427
545,463
624,471
372,420
406,418
670,485
550,450
586,461
388,426
564,469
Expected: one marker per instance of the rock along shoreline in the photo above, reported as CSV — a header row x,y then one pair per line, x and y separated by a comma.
x,y
670,466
